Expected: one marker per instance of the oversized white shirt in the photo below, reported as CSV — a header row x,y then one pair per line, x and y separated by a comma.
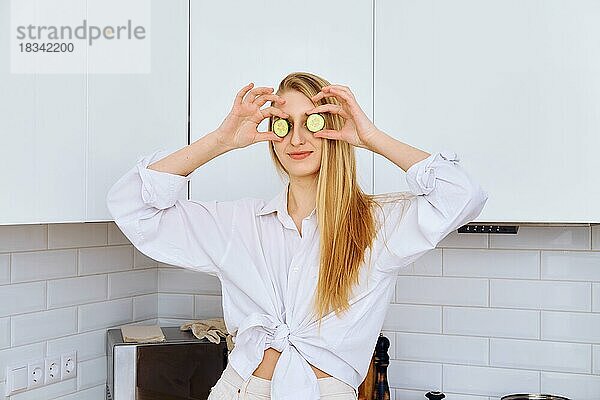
x,y
268,271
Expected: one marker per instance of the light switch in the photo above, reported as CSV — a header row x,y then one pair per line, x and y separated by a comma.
x,y
16,380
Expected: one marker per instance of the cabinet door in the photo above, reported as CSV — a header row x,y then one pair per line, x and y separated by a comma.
x,y
43,126
234,43
132,114
511,86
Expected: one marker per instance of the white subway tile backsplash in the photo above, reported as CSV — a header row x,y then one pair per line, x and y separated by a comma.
x,y
4,269
22,297
4,333
488,381
77,235
49,391
442,290
79,290
541,295
570,326
520,324
596,237
132,283
140,260
43,265
488,263
91,373
442,348
465,240
573,386
100,260
208,306
88,345
571,265
107,314
15,355
23,238
551,237
414,375
145,307
176,305
412,318
596,297
596,358
428,264
475,322
179,280
94,393
35,327
544,355
115,236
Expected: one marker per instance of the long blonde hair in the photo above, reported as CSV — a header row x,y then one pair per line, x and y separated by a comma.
x,y
345,214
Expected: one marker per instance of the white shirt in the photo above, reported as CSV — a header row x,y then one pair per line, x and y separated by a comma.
x,y
268,271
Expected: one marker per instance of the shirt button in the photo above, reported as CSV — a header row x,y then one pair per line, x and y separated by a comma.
x,y
295,268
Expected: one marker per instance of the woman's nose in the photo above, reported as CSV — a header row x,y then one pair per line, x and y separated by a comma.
x,y
298,134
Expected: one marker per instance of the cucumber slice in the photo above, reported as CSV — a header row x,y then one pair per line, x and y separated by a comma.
x,y
281,127
315,122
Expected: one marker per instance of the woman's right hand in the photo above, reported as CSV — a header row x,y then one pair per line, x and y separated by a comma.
x,y
239,129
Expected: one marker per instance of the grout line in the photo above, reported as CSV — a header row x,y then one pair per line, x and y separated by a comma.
x,y
540,325
540,264
592,359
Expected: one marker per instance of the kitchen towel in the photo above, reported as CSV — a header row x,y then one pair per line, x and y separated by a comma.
x,y
142,334
212,329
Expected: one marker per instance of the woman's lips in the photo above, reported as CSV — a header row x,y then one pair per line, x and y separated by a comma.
x,y
300,156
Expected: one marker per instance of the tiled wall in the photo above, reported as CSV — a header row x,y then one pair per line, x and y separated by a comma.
x,y
478,317
482,316
63,285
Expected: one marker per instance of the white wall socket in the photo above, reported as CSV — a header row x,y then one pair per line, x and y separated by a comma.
x,y
69,365
35,371
52,370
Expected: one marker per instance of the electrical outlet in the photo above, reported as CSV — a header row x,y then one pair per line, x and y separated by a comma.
x,y
35,374
69,365
52,370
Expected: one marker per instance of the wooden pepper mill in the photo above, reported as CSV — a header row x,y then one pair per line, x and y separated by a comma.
x,y
381,361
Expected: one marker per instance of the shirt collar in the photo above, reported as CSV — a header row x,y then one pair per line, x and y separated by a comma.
x,y
279,204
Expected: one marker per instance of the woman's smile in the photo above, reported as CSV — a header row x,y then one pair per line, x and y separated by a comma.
x,y
299,155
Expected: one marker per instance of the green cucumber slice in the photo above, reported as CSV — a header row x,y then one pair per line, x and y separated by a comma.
x,y
281,127
315,122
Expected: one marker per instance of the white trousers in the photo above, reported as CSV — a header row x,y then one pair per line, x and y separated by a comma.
x,y
231,386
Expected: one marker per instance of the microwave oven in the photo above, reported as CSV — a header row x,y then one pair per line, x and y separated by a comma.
x,y
182,367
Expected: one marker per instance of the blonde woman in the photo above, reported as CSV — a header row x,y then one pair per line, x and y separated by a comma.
x,y
307,276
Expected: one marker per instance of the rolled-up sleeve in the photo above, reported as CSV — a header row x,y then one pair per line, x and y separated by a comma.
x,y
442,198
151,209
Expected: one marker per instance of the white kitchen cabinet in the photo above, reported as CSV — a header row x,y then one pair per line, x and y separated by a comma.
x,y
43,149
234,43
511,86
131,115
68,137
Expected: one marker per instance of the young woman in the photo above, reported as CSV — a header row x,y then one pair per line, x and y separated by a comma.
x,y
306,277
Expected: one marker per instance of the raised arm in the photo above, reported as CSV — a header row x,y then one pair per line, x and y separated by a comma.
x,y
444,197
149,204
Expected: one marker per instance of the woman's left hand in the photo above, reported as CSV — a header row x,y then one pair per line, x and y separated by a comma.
x,y
358,130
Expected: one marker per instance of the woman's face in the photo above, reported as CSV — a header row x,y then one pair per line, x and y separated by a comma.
x,y
299,138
